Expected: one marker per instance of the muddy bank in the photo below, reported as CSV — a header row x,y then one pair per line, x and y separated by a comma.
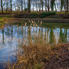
x,y
59,60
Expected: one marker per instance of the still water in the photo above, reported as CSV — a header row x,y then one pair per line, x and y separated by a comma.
x,y
12,36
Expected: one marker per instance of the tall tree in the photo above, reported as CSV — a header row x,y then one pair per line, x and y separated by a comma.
x,y
45,5
11,5
22,5
62,4
20,2
67,5
2,6
42,4
6,2
52,4
36,6
48,5
29,6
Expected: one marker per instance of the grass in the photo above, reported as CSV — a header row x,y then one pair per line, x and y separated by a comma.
x,y
45,21
2,23
54,16
31,12
61,12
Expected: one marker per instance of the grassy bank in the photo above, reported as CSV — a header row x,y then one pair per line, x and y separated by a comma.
x,y
46,21
2,23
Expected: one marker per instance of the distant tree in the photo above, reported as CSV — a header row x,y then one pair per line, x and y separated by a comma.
x,y
52,4
36,5
21,4
48,6
67,5
62,4
45,5
6,2
11,5
29,6
42,4
2,4
39,5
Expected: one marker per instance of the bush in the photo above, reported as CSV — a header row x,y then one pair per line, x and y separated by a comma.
x,y
26,9
33,15
44,14
52,13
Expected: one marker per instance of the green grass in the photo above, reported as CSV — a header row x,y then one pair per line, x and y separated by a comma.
x,y
54,16
31,12
61,12
58,25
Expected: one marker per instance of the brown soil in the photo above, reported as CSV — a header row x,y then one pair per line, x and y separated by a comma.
x,y
59,60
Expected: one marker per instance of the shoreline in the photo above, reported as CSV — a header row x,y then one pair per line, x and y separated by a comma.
x,y
45,20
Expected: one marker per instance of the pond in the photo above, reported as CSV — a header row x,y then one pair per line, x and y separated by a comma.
x,y
12,35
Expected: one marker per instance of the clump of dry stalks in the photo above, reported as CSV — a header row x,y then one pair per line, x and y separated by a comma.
x,y
35,55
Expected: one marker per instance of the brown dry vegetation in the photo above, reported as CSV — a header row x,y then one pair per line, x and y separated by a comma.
x,y
43,56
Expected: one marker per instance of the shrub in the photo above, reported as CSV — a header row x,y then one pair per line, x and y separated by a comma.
x,y
33,15
44,14
26,9
52,13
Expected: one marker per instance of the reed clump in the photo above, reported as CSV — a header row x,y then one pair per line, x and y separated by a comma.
x,y
36,55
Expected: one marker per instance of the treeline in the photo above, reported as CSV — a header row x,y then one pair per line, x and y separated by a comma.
x,y
33,5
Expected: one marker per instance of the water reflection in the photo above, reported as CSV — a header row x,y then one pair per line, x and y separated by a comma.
x,y
11,36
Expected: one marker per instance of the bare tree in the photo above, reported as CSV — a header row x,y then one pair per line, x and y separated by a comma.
x,y
29,6
67,5
11,5
45,5
42,4
21,4
6,2
48,5
2,4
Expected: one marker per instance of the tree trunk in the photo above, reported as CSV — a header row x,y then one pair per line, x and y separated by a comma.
x,y
11,5
1,6
36,6
21,5
45,5
48,5
67,5
29,6
42,6
6,7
